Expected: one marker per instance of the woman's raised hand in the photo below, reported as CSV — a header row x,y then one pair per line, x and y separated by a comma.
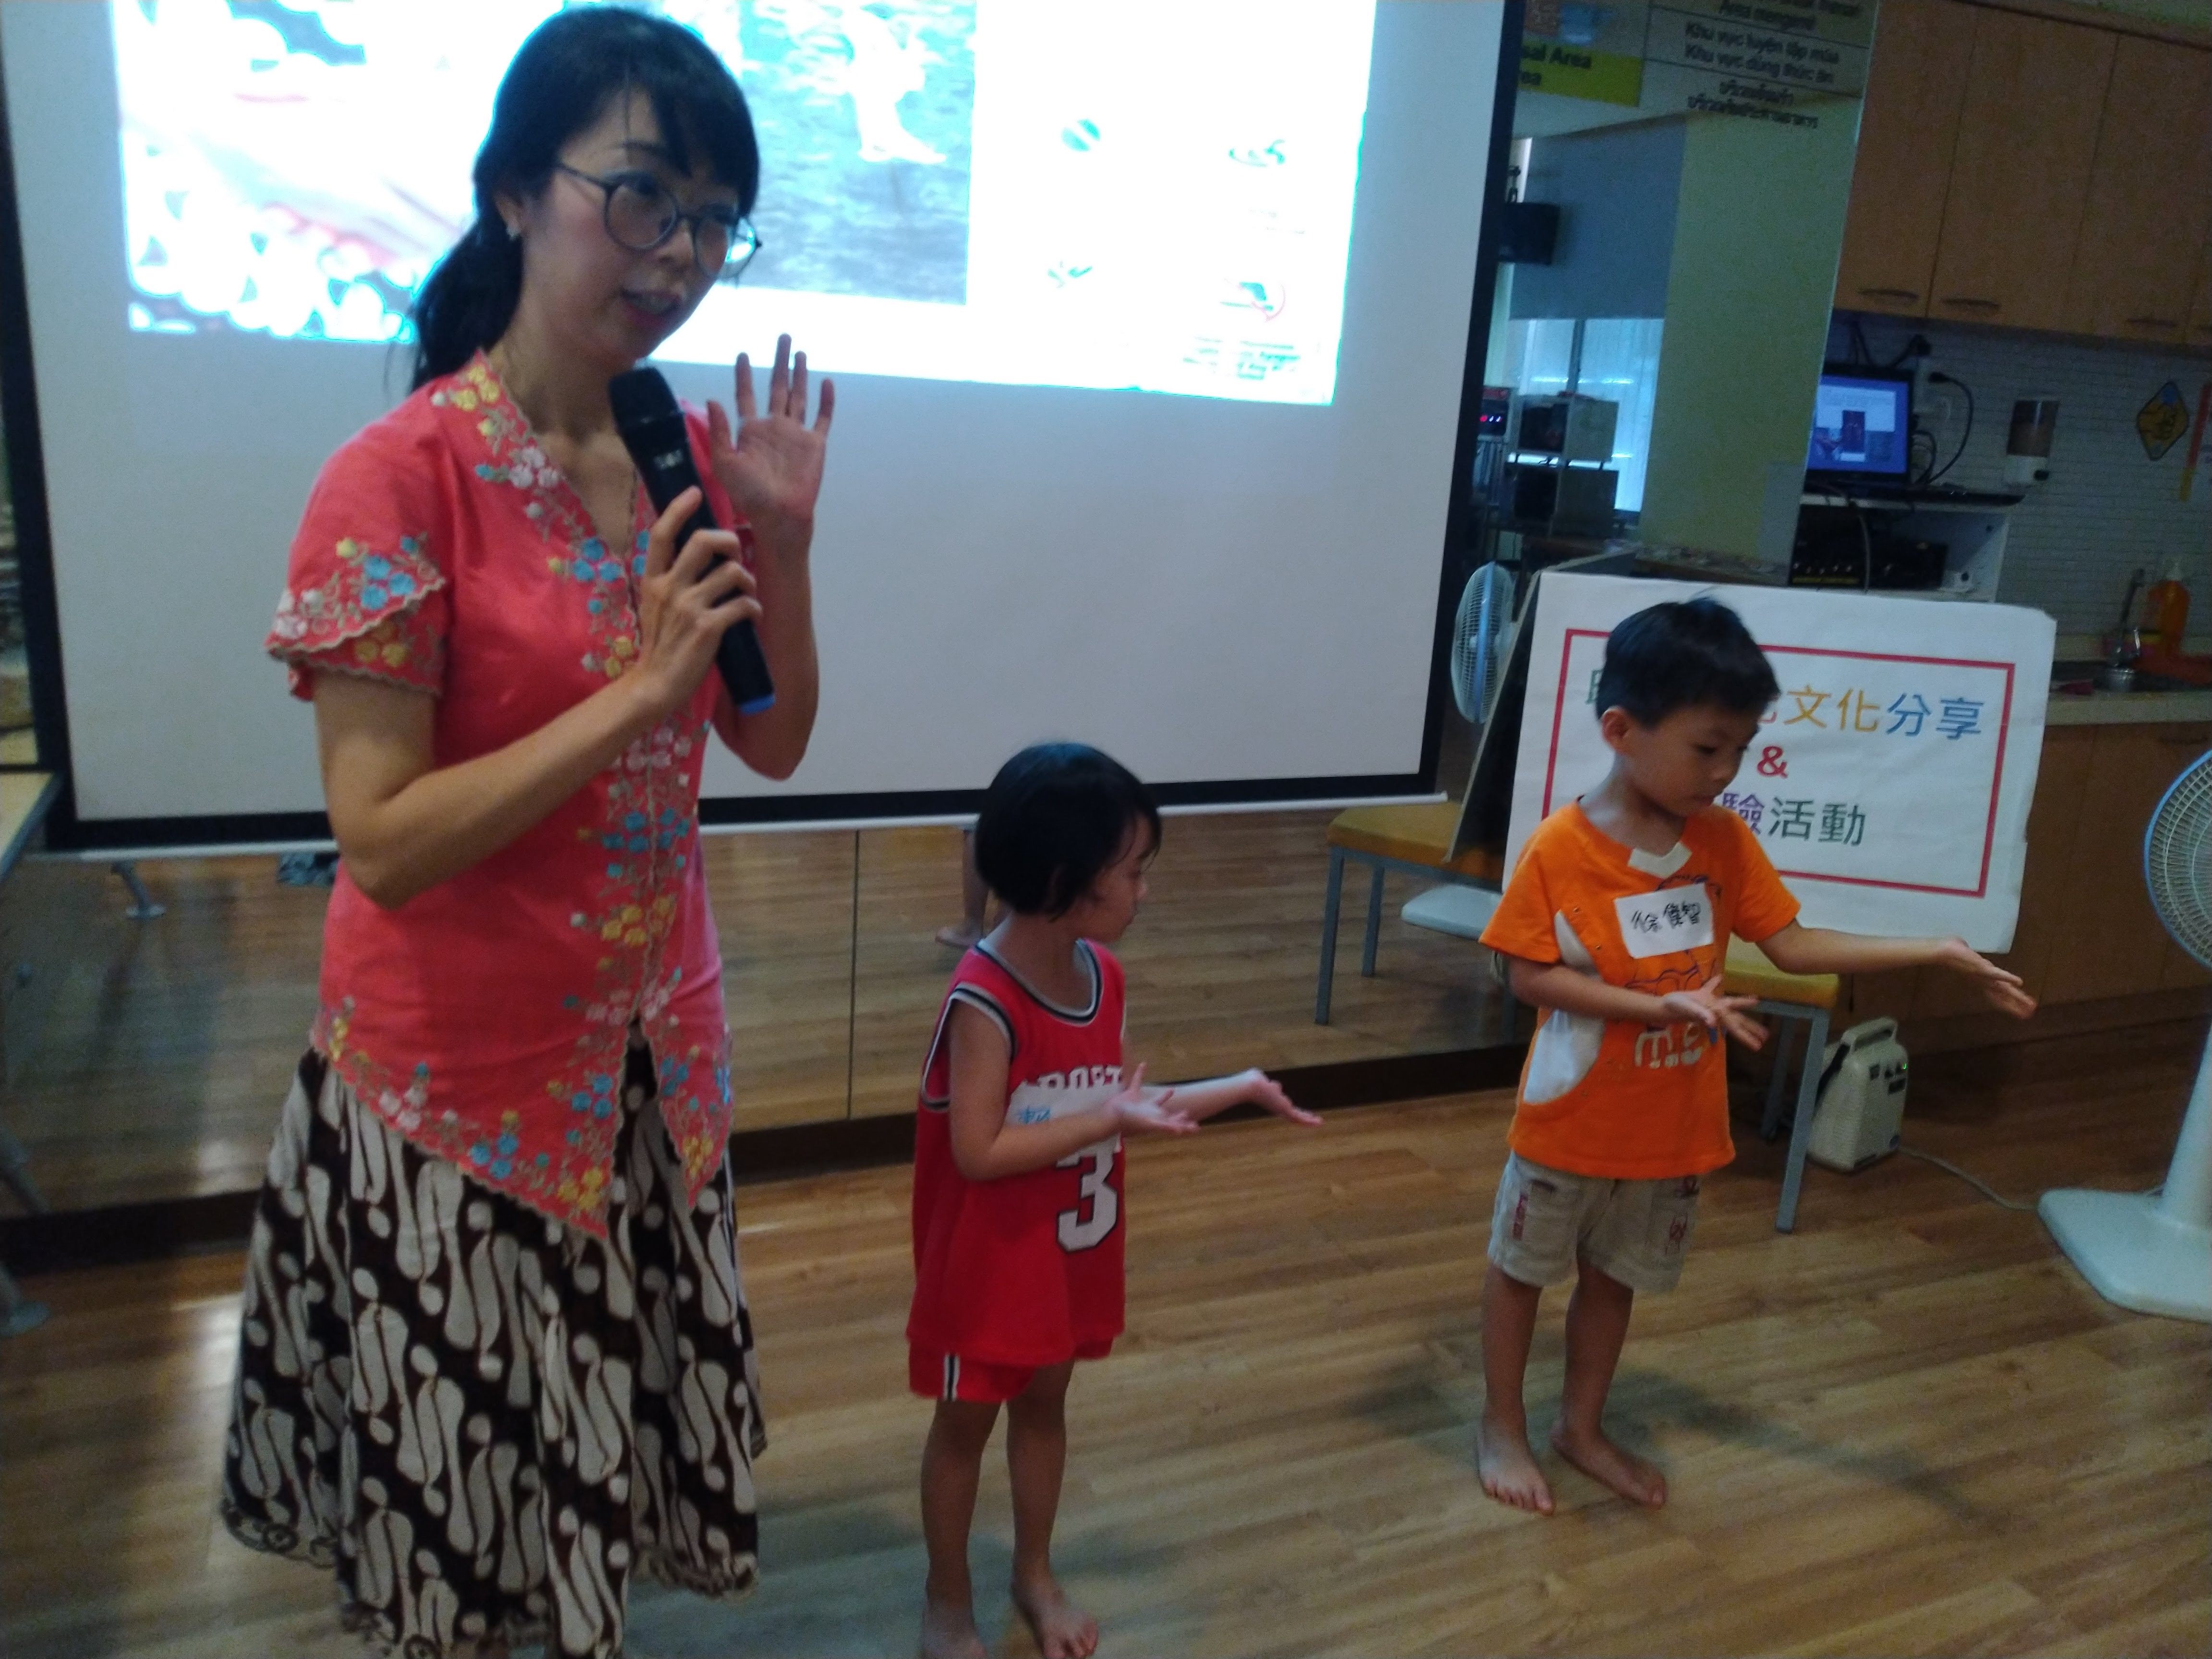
x,y
771,465
686,602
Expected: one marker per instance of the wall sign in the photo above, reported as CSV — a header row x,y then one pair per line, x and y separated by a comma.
x,y
2162,422
1573,72
1781,61
1890,784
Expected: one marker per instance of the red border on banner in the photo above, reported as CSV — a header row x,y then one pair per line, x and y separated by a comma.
x,y
1997,781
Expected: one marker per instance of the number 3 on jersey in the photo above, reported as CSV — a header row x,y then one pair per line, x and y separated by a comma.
x,y
1092,1219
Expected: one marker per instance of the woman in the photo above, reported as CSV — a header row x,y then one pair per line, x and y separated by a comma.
x,y
496,1354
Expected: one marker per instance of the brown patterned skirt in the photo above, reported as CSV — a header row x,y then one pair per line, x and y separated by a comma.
x,y
483,1421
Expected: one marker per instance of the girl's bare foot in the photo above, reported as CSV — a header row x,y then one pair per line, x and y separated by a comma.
x,y
1063,1630
1508,1468
950,1632
960,937
1634,1477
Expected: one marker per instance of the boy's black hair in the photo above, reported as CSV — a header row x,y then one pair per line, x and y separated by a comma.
x,y
1057,814
1681,656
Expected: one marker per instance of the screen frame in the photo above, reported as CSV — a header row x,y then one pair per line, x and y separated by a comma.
x,y
1846,477
65,831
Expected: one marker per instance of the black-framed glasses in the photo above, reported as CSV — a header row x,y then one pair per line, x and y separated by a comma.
x,y
641,213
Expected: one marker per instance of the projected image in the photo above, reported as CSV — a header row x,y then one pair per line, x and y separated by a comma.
x,y
1155,195
864,114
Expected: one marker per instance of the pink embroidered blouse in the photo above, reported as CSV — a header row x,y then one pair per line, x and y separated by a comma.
x,y
486,1018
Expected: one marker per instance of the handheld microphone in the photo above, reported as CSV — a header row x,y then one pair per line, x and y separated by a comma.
x,y
653,431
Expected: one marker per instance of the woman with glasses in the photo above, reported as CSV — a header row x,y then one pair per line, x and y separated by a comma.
x,y
495,1356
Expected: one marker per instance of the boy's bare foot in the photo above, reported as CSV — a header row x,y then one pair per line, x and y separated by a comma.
x,y
1508,1468
950,1632
1063,1630
961,937
1634,1477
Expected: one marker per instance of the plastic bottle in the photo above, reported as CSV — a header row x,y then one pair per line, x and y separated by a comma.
x,y
2166,612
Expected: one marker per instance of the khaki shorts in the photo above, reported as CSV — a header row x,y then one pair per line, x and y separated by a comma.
x,y
1546,1220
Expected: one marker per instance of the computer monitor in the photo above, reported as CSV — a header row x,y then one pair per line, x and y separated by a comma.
x,y
1861,425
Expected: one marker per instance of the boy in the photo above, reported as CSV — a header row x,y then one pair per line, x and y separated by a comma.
x,y
1623,1103
1018,1194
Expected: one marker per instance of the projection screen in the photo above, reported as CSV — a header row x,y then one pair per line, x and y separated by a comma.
x,y
1150,323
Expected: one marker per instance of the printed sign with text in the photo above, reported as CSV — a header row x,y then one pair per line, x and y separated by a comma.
x,y
1890,782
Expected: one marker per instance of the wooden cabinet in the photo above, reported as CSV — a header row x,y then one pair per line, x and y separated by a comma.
x,y
2087,933
2109,942
1915,86
2031,171
2020,172
2054,820
2149,207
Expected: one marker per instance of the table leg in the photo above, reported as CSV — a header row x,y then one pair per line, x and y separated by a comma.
x,y
1374,925
18,1312
1801,1132
1785,1028
1329,936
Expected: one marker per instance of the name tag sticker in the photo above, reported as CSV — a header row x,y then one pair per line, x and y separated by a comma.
x,y
1660,924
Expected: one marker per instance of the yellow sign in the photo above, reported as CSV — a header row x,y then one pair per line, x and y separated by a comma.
x,y
2163,422
1571,71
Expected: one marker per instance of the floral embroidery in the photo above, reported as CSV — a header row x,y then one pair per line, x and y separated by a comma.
x,y
373,1085
369,615
639,939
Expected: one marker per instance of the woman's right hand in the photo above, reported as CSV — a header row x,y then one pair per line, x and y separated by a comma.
x,y
686,602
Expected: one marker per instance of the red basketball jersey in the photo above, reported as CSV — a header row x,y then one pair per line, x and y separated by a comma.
x,y
1025,1270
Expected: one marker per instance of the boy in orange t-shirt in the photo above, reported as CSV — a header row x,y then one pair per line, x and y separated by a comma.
x,y
1616,925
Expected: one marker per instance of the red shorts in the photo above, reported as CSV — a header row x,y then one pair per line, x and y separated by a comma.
x,y
948,1376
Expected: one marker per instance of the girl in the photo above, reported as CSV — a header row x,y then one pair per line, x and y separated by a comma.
x,y
1018,1194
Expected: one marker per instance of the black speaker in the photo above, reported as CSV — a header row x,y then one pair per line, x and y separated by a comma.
x,y
1528,233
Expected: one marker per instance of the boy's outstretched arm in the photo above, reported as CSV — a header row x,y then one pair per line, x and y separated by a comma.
x,y
986,1147
1200,1101
1798,949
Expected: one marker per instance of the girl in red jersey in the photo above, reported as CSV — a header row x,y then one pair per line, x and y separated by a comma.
x,y
1018,1196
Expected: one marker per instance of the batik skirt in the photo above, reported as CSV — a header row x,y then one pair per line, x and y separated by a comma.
x,y
484,1421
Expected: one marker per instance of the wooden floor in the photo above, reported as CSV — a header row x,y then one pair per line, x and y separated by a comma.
x,y
1908,1428
146,1059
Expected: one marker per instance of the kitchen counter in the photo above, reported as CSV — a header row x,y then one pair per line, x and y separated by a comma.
x,y
2129,708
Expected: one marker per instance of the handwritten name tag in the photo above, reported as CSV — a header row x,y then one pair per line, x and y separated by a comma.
x,y
1662,923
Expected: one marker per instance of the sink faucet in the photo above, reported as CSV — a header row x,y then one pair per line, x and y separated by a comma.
x,y
2125,648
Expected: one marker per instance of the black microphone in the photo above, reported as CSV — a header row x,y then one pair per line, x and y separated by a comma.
x,y
653,431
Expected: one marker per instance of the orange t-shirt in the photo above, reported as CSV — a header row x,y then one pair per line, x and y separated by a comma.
x,y
1609,1098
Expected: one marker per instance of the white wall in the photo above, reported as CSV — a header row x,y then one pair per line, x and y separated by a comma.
x,y
2108,508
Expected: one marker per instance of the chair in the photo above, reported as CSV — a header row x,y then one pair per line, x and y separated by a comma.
x,y
1808,997
1416,839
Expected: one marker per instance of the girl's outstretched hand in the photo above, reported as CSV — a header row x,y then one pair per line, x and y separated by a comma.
x,y
1139,1110
1262,1091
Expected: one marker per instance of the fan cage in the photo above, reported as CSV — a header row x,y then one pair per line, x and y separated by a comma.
x,y
2177,860
1478,634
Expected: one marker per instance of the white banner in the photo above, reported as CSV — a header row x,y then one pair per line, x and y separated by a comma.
x,y
1890,784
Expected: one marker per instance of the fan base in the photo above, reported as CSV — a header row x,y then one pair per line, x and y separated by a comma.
x,y
2132,1253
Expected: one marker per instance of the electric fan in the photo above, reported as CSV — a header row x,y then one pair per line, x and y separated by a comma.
x,y
1480,634
2154,1253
